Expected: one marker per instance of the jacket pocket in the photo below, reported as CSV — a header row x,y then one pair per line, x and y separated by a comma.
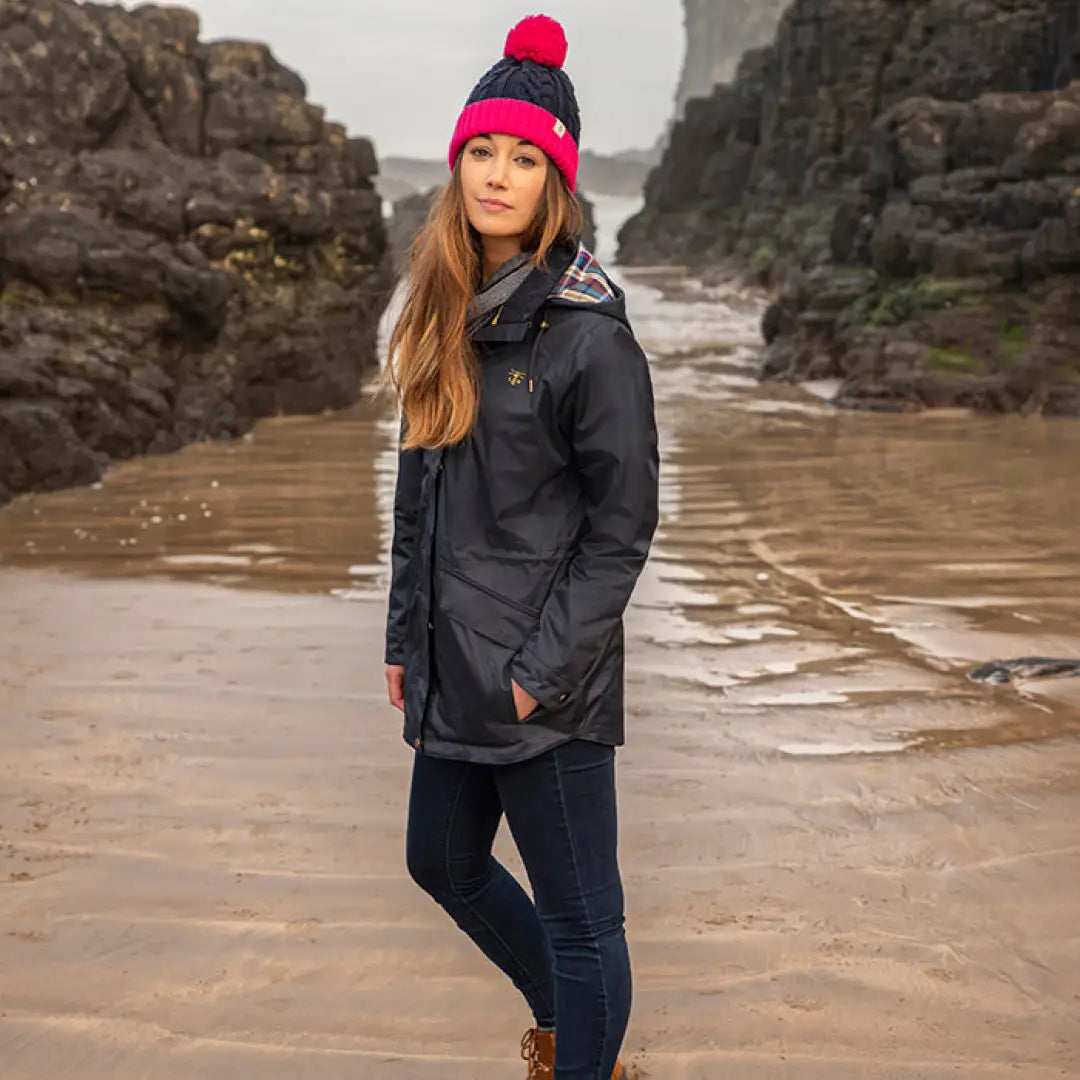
x,y
500,601
477,634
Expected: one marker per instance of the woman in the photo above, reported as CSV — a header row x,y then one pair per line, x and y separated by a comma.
x,y
526,502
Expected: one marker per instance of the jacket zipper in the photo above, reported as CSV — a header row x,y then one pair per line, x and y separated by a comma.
x,y
419,741
544,324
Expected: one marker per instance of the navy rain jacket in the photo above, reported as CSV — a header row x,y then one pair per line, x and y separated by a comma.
x,y
515,551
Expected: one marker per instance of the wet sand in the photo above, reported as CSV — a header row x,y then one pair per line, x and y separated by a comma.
x,y
843,858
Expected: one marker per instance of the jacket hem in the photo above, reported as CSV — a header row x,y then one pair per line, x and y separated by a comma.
x,y
500,755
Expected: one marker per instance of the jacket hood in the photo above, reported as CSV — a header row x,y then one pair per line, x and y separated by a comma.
x,y
572,278
585,284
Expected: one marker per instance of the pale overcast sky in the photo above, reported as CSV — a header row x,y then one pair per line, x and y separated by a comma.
x,y
400,70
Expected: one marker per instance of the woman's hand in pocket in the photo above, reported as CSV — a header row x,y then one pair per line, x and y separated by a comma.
x,y
524,702
395,685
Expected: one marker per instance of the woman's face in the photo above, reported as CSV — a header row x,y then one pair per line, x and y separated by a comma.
x,y
502,179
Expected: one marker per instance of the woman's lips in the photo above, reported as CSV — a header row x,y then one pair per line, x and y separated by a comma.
x,y
494,206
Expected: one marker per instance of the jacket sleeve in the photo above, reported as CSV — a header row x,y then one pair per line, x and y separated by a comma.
x,y
406,524
613,435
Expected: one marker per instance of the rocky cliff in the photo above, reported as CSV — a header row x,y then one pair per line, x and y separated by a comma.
x,y
186,244
908,176
718,32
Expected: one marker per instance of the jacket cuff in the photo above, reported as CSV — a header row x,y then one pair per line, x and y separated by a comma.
x,y
395,653
538,680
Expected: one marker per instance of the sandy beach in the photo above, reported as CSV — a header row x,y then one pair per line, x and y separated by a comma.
x,y
202,874
844,860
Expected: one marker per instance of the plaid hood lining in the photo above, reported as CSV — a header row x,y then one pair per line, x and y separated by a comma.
x,y
584,281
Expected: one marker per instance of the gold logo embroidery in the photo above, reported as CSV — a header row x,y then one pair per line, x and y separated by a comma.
x,y
560,128
515,378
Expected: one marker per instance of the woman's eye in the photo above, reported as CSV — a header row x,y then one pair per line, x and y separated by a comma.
x,y
526,161
479,151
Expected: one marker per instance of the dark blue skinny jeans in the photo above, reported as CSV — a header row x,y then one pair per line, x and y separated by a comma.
x,y
566,952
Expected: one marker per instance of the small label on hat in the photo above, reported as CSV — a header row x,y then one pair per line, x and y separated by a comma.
x,y
560,128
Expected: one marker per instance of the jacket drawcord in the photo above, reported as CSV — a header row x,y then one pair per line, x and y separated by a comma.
x,y
533,351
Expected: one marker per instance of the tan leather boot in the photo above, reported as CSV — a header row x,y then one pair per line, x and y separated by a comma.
x,y
538,1049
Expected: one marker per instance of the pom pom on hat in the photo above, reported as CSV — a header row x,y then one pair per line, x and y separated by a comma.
x,y
538,38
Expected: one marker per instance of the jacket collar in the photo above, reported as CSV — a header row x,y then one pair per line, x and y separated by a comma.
x,y
511,322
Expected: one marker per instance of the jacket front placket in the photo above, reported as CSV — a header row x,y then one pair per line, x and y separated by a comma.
x,y
420,678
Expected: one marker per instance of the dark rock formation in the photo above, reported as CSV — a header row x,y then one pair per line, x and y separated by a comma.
x,y
409,217
907,174
185,243
1025,667
970,287
718,32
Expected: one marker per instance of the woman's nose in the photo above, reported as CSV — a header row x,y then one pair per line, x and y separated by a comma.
x,y
497,174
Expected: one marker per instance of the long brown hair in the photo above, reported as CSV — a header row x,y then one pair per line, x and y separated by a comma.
x,y
432,366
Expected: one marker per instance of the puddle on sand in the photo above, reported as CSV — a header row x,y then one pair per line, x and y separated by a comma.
x,y
300,505
837,749
835,526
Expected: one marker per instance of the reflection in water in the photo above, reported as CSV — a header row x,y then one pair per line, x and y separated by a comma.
x,y
809,562
299,505
885,556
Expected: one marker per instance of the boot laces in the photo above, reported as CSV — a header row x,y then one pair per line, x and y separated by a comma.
x,y
530,1053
